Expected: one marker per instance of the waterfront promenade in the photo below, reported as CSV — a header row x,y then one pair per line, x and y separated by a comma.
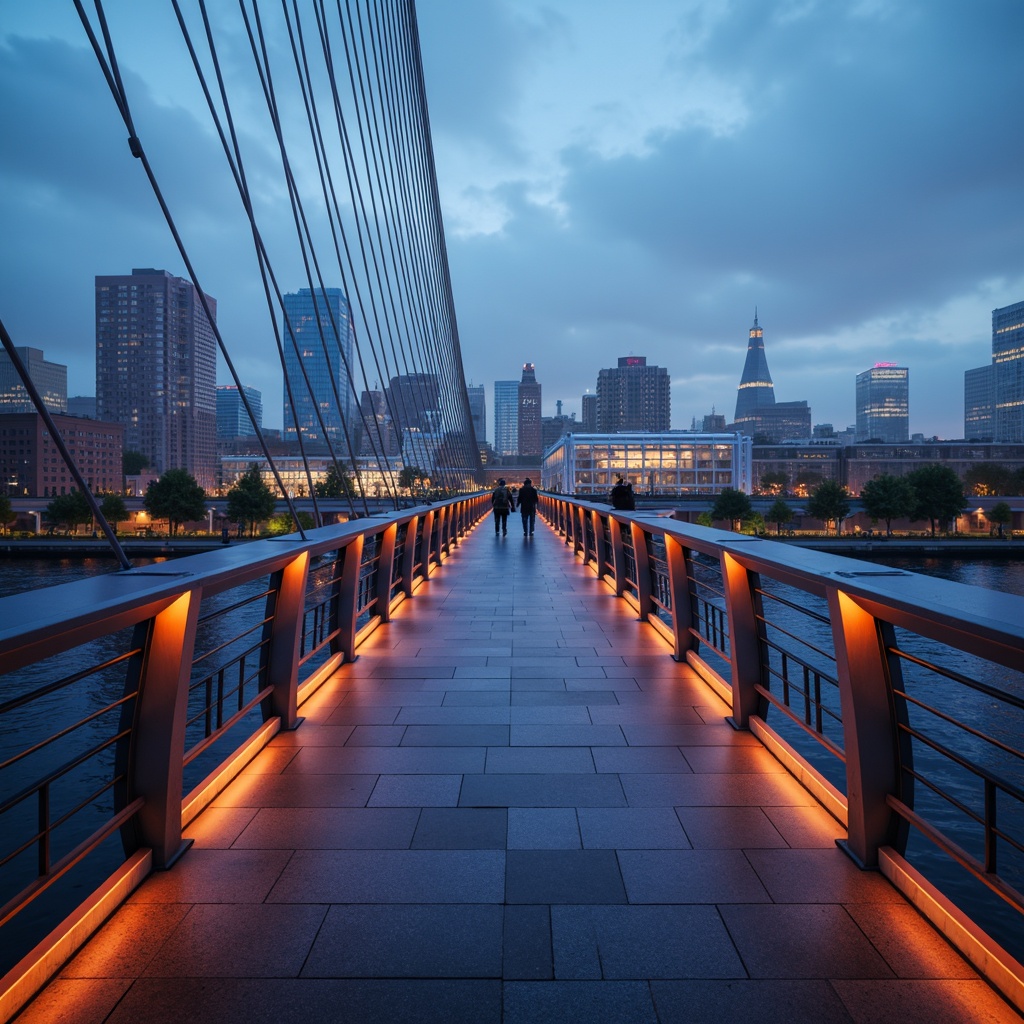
x,y
516,807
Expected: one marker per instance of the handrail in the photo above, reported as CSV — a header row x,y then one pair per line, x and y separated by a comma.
x,y
821,657
189,685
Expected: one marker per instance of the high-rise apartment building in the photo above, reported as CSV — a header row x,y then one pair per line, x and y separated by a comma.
x,y
883,404
478,411
588,413
232,418
528,412
758,415
50,380
633,397
318,337
994,394
156,369
506,417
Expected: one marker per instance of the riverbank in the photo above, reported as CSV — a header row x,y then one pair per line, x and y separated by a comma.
x,y
97,547
912,547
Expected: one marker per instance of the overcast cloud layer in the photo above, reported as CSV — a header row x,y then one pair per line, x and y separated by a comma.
x,y
615,179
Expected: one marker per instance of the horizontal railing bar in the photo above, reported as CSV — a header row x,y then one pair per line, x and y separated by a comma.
x,y
208,741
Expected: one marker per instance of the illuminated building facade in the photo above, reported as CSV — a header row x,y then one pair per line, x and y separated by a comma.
x,y
1008,359
588,465
318,337
528,429
156,369
883,404
506,417
478,411
232,418
50,380
633,396
980,403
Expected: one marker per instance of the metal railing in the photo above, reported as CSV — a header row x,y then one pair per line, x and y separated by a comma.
x,y
898,699
128,699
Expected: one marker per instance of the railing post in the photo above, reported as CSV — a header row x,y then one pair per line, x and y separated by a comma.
x,y
870,739
599,547
618,554
442,533
409,555
741,606
386,571
679,590
579,529
159,735
642,561
426,543
285,633
348,596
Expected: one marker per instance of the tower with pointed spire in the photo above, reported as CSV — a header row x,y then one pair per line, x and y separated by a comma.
x,y
758,415
756,390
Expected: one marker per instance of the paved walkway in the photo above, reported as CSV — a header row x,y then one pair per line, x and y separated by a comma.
x,y
516,807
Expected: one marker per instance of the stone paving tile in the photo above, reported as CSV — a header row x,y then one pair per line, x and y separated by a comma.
x,y
819,876
329,828
399,760
638,760
542,791
721,790
543,828
558,1002
729,828
563,876
533,760
631,828
392,876
299,790
76,1001
215,876
456,736
748,1002
923,1002
436,942
461,828
416,791
445,715
526,943
218,827
812,941
690,876
642,942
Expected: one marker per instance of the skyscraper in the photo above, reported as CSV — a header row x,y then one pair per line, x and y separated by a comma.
x,y
528,413
883,404
758,415
50,380
506,417
980,403
633,396
322,353
1008,358
156,366
232,418
588,413
478,411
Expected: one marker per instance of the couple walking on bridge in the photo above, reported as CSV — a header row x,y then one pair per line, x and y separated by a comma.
x,y
503,502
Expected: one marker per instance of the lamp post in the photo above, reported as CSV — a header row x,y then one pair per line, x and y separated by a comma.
x,y
209,520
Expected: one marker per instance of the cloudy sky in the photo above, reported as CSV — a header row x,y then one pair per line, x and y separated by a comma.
x,y
615,179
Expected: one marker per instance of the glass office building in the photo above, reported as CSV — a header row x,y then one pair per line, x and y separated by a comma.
x,y
883,404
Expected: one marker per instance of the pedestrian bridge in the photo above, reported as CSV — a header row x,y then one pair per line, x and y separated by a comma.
x,y
406,770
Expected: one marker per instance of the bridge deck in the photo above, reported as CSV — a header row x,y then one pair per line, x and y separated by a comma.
x,y
516,807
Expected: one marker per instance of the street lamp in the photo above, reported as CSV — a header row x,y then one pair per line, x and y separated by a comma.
x,y
209,517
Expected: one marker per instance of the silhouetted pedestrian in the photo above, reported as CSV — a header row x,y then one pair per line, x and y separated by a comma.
x,y
528,506
622,496
501,502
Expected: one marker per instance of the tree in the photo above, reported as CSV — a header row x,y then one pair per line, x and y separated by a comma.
x,y
68,510
176,497
887,498
283,523
775,482
114,509
250,500
408,476
1000,514
779,514
988,478
731,505
133,463
7,513
829,500
335,484
705,519
940,495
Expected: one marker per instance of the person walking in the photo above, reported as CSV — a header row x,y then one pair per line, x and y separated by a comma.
x,y
501,501
528,506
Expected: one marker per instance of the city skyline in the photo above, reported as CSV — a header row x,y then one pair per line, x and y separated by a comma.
x,y
645,182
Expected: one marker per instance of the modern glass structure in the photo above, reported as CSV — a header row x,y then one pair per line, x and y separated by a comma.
x,y
633,396
655,464
506,417
232,418
883,404
50,380
478,411
528,428
1008,360
980,403
156,369
318,338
